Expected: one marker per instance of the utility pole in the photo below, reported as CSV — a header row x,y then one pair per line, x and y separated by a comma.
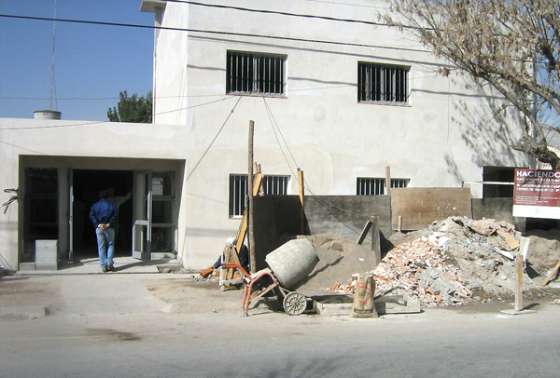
x,y
250,212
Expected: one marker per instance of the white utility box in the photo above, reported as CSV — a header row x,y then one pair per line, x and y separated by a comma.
x,y
46,256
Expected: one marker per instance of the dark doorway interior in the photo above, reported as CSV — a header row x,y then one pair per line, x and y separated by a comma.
x,y
87,186
40,209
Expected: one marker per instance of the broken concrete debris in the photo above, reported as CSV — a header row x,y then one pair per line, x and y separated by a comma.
x,y
454,261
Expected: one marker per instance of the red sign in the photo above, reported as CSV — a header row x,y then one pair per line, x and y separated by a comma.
x,y
536,187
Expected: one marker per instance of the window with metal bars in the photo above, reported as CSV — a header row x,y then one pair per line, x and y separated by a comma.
x,y
382,83
375,186
272,185
255,73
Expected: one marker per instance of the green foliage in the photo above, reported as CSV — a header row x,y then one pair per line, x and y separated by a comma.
x,y
136,109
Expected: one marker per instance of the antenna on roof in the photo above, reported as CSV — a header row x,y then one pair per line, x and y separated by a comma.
x,y
51,112
53,105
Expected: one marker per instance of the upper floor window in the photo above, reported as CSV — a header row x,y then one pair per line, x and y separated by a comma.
x,y
255,73
382,83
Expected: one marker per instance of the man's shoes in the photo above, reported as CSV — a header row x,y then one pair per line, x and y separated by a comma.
x,y
111,269
104,269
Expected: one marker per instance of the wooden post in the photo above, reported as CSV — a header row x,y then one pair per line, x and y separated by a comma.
x,y
375,238
250,212
387,180
518,283
301,193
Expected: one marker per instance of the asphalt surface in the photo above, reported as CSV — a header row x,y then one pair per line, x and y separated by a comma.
x,y
87,336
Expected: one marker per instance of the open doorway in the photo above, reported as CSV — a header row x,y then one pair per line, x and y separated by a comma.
x,y
87,184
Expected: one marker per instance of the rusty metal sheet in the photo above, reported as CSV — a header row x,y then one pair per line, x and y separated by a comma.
x,y
419,207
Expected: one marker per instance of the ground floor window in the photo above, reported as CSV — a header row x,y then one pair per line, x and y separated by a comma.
x,y
273,185
375,186
497,182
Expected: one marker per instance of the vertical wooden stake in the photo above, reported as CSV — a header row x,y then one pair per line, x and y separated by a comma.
x,y
375,238
301,193
519,282
388,181
250,212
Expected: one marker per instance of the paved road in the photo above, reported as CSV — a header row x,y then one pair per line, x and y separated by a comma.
x,y
149,342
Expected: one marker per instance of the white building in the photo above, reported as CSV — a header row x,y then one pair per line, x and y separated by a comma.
x,y
340,100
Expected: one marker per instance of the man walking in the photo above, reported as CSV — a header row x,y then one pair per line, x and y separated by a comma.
x,y
103,216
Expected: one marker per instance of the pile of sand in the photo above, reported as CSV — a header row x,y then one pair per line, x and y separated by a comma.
x,y
339,259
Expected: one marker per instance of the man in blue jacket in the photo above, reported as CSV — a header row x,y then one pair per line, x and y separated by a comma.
x,y
103,215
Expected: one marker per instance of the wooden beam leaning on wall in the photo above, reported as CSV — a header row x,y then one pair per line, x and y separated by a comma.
x,y
243,226
301,194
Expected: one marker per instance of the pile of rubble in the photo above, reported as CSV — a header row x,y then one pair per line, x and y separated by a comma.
x,y
452,262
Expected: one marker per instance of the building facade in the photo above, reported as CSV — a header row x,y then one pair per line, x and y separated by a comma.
x,y
339,100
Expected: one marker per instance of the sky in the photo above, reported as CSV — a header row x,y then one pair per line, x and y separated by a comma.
x,y
90,61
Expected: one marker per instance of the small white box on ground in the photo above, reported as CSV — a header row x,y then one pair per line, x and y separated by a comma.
x,y
46,256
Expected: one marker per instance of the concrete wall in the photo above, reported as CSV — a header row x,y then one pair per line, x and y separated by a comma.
x,y
496,208
346,215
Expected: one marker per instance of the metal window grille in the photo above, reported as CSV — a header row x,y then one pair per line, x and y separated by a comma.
x,y
370,186
254,73
379,83
276,185
375,186
272,186
237,193
399,182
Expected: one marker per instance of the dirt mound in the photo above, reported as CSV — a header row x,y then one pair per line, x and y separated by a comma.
x,y
458,261
339,258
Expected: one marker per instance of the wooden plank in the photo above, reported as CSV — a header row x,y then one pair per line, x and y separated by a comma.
x,y
519,265
419,207
388,181
243,226
364,232
301,194
552,275
250,212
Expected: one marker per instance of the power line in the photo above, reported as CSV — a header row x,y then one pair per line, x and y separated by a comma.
x,y
275,133
81,98
216,32
273,120
323,204
312,16
195,106
347,4
108,122
213,140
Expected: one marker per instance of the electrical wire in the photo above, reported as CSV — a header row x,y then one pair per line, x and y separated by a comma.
x,y
108,122
215,32
323,204
213,140
311,16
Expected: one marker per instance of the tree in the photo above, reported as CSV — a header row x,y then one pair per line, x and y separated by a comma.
x,y
514,46
135,108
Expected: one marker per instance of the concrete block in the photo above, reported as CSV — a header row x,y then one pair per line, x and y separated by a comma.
x,y
27,266
333,305
397,304
22,312
46,254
